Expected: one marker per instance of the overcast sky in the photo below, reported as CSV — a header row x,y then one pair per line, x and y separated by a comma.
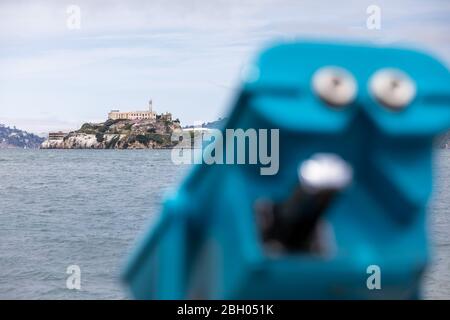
x,y
185,55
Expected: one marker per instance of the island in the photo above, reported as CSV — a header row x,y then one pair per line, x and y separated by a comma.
x,y
123,130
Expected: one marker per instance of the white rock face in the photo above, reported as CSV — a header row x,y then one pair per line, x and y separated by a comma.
x,y
118,134
89,141
77,141
80,141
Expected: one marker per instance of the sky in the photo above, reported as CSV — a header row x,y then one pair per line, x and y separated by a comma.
x,y
187,56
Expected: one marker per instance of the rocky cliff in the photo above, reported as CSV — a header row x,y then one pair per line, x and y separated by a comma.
x,y
118,134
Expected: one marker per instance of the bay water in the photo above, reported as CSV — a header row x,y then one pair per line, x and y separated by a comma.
x,y
87,207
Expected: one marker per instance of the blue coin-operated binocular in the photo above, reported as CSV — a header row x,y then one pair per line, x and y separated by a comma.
x,y
325,196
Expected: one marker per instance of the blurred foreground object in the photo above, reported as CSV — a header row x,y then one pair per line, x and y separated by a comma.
x,y
356,126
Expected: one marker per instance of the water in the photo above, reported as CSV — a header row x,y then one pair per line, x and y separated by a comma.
x,y
69,207
86,208
437,279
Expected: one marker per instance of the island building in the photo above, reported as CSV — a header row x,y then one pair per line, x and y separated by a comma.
x,y
139,115
53,136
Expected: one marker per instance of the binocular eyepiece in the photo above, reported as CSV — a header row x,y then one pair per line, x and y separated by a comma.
x,y
291,225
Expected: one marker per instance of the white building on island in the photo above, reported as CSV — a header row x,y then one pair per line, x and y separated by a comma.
x,y
133,115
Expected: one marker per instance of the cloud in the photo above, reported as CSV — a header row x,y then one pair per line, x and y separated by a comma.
x,y
186,54
59,62
48,18
40,125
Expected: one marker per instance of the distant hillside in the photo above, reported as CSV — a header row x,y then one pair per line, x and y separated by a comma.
x,y
118,134
15,138
218,124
